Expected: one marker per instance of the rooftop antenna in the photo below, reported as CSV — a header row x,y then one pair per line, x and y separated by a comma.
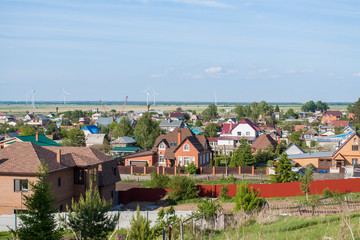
x,y
64,94
154,96
33,99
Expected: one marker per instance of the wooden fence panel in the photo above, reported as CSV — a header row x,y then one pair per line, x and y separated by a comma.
x,y
150,170
246,170
170,170
233,170
261,171
138,170
124,169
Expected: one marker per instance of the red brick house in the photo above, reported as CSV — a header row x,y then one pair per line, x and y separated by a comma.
x,y
180,147
70,170
330,116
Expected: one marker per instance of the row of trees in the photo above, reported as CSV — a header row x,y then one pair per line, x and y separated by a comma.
x,y
311,106
253,110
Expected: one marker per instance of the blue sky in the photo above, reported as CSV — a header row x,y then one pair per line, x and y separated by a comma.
x,y
251,50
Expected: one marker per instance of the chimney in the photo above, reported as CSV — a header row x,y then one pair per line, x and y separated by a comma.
x,y
58,156
37,137
179,136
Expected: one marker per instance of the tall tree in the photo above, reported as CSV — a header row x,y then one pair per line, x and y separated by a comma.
x,y
306,180
356,109
212,129
124,128
146,131
75,137
27,130
277,109
242,155
88,217
283,170
39,221
210,112
240,112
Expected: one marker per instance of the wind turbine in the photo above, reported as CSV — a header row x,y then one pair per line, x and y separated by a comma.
x,y
154,95
148,97
33,98
64,94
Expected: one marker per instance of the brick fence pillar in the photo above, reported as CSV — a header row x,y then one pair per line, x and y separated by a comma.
x,y
131,170
157,170
201,170
175,170
253,170
144,170
163,170
267,170
214,171
239,170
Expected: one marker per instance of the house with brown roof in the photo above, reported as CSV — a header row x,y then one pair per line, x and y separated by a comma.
x,y
348,153
330,116
70,170
180,147
263,142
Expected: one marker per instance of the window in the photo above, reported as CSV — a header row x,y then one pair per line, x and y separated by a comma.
x,y
186,161
20,184
79,176
193,160
355,147
239,133
161,159
200,159
354,161
180,160
247,133
59,181
355,140
207,157
161,146
186,147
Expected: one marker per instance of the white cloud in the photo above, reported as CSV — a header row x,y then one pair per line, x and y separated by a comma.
x,y
213,70
162,74
207,3
217,71
356,74
263,70
192,76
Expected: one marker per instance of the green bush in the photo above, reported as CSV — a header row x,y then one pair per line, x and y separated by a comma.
x,y
159,181
224,193
327,193
140,228
208,208
182,188
192,169
247,199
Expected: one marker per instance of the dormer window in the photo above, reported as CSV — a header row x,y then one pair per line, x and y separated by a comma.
x,y
186,147
161,146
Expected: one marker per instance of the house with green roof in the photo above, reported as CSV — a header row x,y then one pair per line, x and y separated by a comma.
x,y
38,139
123,151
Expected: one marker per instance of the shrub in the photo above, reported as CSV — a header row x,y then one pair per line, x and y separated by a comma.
x,y
140,228
224,193
159,181
182,188
327,193
191,169
247,199
208,208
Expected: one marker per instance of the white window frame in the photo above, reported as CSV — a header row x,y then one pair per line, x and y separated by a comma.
x,y
186,148
192,159
161,146
354,160
186,161
161,159
239,133
247,133
180,161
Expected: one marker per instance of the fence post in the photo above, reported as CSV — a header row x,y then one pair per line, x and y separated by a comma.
x,y
252,170
131,170
163,170
157,170
201,170
214,171
182,230
239,170
300,209
144,170
267,170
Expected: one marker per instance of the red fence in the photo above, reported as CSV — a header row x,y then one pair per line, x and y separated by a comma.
x,y
267,190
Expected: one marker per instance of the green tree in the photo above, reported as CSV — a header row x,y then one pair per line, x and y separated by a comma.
x,y
182,188
283,172
264,155
208,208
291,113
308,107
240,112
210,112
159,180
146,131
321,106
356,109
224,193
124,128
306,180
247,199
295,137
212,129
191,169
198,123
52,129
88,217
39,221
75,137
140,228
242,155
277,109
27,130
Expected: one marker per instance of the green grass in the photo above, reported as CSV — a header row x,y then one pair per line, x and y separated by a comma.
x,y
5,235
297,228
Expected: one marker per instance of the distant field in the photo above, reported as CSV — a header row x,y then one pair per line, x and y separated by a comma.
x,y
51,108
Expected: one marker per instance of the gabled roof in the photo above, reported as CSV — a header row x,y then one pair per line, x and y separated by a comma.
x,y
95,139
263,141
42,117
171,140
340,123
347,140
43,140
123,140
297,148
171,123
228,127
176,114
334,113
92,129
250,123
25,158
